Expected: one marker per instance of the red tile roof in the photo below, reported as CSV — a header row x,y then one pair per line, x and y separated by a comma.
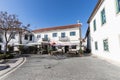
x,y
56,28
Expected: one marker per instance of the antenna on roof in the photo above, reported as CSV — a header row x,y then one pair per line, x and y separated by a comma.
x,y
78,22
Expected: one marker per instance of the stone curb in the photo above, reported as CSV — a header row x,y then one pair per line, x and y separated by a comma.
x,y
13,68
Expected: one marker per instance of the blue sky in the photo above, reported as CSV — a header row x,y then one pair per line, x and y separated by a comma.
x,y
49,13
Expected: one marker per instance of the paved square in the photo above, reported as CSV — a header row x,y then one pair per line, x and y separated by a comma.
x,y
45,67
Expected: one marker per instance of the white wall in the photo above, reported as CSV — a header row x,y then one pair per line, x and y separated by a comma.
x,y
67,32
110,30
14,41
73,39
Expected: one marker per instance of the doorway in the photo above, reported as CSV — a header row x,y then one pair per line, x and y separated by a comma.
x,y
66,49
0,47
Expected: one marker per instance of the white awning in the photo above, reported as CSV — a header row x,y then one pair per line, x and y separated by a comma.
x,y
33,44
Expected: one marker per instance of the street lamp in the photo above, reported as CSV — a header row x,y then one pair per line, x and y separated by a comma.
x,y
80,38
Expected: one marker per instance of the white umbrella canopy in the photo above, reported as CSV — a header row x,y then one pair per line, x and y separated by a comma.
x,y
65,44
33,44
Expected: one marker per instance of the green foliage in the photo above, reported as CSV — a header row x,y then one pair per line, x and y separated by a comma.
x,y
81,51
28,49
50,49
6,56
21,49
32,49
1,56
10,48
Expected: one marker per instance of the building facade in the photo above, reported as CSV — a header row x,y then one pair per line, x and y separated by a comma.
x,y
15,39
104,29
68,35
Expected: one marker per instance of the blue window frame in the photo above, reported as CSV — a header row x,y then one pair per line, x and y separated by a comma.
x,y
94,25
96,45
63,34
103,16
105,44
118,6
72,33
54,34
38,36
46,36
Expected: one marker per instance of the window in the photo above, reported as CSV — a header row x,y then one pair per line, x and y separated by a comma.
x,y
96,46
72,33
62,35
0,47
105,44
1,40
118,6
73,46
13,35
54,34
94,25
26,37
45,36
103,17
38,36
31,37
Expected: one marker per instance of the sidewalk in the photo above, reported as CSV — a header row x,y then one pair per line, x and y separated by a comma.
x,y
10,66
111,61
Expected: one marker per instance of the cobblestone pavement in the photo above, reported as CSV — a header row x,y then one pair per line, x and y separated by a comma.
x,y
45,67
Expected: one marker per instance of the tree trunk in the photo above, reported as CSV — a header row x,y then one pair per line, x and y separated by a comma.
x,y
20,37
5,51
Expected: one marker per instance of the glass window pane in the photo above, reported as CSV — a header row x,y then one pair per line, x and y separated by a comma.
x,y
105,43
54,34
26,37
63,35
73,46
31,37
103,17
72,33
96,46
45,36
38,36
118,5
94,24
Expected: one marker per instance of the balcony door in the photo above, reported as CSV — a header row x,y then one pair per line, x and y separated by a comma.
x,y
63,35
46,36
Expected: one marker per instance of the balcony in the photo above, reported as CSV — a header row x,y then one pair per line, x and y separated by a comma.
x,y
45,39
64,39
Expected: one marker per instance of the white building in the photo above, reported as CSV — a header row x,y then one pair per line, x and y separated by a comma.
x,y
26,38
104,25
61,35
66,36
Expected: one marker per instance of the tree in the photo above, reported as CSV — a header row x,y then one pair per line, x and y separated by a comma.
x,y
9,26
